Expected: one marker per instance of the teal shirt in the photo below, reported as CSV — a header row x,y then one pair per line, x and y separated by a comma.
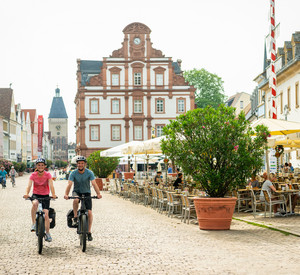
x,y
82,181
3,173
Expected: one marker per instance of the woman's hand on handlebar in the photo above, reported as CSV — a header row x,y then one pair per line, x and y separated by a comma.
x,y
66,197
26,196
54,197
99,196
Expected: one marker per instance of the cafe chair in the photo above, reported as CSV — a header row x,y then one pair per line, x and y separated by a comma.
x,y
162,201
189,209
146,196
255,202
242,198
172,204
183,206
270,202
154,198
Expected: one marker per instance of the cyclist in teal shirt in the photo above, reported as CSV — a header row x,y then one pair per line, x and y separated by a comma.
x,y
81,178
3,175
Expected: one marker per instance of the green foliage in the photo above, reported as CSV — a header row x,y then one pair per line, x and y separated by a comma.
x,y
49,162
102,167
6,164
19,166
22,167
215,147
210,90
60,164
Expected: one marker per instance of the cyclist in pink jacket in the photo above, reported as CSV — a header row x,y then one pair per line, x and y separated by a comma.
x,y
42,184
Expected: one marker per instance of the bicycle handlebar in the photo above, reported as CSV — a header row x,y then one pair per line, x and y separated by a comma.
x,y
42,199
82,198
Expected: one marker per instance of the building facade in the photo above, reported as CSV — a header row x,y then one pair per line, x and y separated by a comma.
x,y
239,101
31,115
287,67
130,95
71,151
8,112
58,127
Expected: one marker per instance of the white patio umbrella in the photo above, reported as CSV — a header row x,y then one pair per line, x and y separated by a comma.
x,y
118,150
277,127
150,146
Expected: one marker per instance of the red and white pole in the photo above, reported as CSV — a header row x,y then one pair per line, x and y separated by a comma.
x,y
272,80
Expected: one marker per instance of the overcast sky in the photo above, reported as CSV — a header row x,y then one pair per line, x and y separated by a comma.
x,y
40,41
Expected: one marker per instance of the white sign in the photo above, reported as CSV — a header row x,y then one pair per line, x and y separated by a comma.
x,y
273,161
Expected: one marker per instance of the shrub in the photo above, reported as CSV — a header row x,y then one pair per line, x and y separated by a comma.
x,y
215,147
102,167
6,164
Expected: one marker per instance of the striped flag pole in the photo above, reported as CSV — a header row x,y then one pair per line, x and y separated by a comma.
x,y
272,80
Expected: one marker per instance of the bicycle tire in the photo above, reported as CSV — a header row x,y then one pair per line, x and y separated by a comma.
x,y
83,233
41,233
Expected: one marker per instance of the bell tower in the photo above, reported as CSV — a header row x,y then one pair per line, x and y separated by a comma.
x,y
58,127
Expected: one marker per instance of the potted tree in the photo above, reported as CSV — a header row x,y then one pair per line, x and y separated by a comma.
x,y
220,151
102,167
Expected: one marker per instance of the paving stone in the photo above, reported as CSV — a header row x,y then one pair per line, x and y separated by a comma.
x,y
133,239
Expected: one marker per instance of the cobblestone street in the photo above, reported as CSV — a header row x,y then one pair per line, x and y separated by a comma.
x,y
133,239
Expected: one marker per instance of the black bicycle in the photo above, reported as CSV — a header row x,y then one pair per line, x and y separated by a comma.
x,y
83,220
40,220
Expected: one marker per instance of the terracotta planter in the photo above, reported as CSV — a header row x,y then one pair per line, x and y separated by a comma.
x,y
21,174
99,183
214,213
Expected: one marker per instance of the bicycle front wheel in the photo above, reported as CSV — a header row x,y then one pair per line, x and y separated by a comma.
x,y
41,232
83,233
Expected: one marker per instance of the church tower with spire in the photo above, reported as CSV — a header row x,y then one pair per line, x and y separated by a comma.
x,y
58,127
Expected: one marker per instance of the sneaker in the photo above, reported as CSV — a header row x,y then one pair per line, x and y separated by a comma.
x,y
33,228
48,237
90,238
75,222
278,214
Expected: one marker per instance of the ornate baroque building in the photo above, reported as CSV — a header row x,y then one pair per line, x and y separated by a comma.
x,y
130,95
58,127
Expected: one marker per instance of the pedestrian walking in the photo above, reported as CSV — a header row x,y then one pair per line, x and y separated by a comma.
x,y
12,174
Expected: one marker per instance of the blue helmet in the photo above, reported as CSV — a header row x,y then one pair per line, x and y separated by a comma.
x,y
40,160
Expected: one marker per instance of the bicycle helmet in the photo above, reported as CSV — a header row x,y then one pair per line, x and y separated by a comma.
x,y
40,160
81,158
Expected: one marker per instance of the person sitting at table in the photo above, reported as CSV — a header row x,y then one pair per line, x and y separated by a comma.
x,y
170,170
286,168
157,178
291,168
253,182
178,181
268,186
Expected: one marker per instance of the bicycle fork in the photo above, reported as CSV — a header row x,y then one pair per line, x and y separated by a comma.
x,y
81,230
39,213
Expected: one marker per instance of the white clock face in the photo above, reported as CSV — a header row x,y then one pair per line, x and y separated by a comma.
x,y
136,41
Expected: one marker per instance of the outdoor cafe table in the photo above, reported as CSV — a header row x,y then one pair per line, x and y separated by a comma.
x,y
288,192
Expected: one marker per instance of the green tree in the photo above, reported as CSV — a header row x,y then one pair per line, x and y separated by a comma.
x,y
219,150
49,162
102,167
210,90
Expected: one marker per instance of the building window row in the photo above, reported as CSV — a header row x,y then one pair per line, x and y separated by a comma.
x,y
138,133
289,98
138,106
